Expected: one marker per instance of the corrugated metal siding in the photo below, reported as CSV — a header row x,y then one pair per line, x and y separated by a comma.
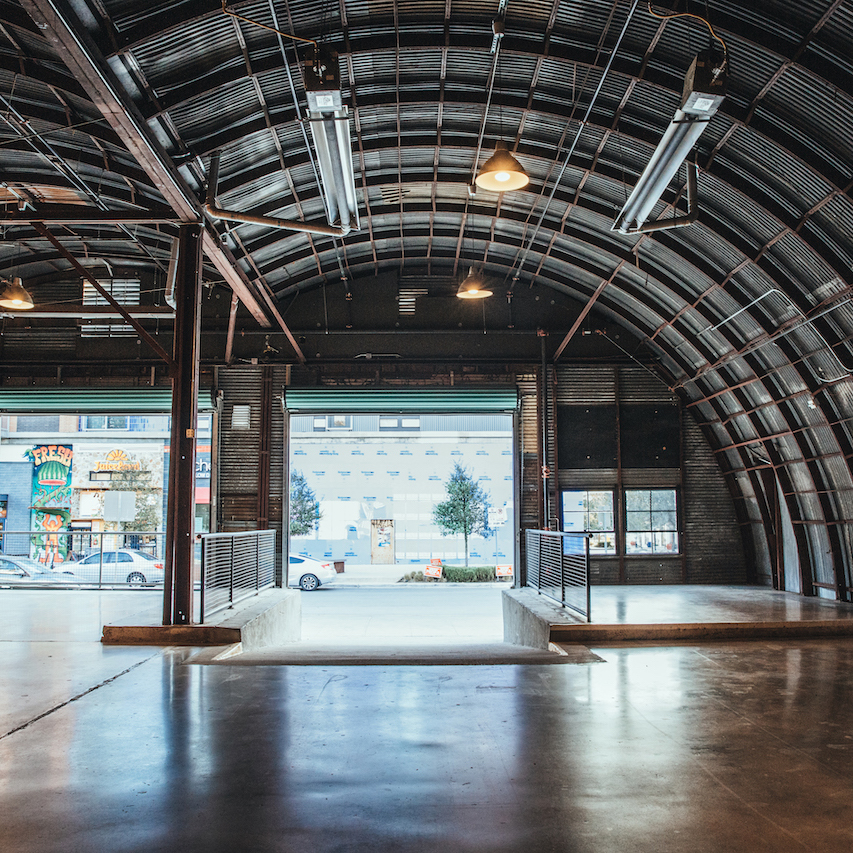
x,y
278,447
585,385
639,386
713,546
528,451
239,450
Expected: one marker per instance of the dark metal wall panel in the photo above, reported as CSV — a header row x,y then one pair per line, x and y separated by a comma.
x,y
713,546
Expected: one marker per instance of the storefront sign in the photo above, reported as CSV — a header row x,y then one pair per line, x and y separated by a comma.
x,y
118,460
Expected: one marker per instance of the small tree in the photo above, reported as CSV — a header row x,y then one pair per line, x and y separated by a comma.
x,y
149,498
466,509
304,507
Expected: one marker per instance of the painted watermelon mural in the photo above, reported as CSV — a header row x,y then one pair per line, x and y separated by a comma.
x,y
51,502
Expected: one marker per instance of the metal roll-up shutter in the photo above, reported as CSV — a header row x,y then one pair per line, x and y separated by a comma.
x,y
239,447
145,399
86,401
400,400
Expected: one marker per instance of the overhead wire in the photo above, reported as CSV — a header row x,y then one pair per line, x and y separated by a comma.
x,y
672,15
516,272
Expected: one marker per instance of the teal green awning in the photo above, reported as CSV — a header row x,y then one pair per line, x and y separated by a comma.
x,y
91,401
400,400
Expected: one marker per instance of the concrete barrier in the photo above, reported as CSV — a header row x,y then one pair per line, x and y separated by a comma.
x,y
272,618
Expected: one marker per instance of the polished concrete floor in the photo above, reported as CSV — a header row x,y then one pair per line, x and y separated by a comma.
x,y
724,747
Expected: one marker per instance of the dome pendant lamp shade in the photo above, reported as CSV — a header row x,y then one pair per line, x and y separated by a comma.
x,y
502,172
13,295
473,287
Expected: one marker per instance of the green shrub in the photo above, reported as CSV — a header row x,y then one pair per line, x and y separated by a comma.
x,y
469,574
418,577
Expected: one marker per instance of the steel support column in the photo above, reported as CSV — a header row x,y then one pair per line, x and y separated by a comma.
x,y
180,539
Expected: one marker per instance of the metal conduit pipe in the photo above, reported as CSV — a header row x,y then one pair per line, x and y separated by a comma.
x,y
251,219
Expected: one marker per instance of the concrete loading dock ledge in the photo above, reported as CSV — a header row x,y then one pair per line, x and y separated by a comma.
x,y
531,619
272,618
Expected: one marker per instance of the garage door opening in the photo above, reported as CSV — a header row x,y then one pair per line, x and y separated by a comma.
x,y
391,509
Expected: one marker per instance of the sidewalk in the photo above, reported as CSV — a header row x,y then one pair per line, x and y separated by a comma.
x,y
361,574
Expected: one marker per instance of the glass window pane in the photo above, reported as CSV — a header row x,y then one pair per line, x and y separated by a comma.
x,y
117,422
637,499
591,512
663,499
600,521
664,521
638,520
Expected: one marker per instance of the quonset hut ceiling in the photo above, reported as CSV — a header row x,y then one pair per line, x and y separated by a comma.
x,y
746,311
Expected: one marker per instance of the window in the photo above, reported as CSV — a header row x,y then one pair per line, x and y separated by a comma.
x,y
326,422
125,291
399,423
591,512
651,521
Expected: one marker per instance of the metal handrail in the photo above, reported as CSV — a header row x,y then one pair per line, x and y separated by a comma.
x,y
235,566
65,548
558,567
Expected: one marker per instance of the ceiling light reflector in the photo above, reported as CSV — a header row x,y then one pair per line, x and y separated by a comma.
x,y
502,172
15,296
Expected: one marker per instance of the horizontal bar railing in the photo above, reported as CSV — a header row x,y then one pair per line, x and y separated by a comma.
x,y
90,557
235,566
558,567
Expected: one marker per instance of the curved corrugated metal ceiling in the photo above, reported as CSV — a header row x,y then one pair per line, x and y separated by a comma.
x,y
746,311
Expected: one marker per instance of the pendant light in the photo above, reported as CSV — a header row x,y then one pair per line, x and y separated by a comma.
x,y
13,295
502,172
474,286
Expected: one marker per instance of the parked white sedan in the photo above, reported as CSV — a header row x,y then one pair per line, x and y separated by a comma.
x,y
124,565
309,574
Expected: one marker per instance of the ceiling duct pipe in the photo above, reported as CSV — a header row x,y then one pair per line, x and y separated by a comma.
x,y
251,219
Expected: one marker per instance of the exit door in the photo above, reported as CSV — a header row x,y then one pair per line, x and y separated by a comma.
x,y
382,541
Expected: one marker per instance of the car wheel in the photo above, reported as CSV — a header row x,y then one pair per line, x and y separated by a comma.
x,y
135,578
309,582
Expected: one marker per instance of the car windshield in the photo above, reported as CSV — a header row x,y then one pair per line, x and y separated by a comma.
x,y
31,565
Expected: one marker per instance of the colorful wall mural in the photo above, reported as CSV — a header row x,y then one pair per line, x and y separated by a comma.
x,y
51,500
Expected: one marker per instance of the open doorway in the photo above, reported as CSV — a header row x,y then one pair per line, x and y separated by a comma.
x,y
398,510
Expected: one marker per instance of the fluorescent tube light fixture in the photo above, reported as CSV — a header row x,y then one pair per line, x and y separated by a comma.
x,y
704,90
328,119
13,295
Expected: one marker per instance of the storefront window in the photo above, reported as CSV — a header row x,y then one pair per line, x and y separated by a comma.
x,y
591,512
651,521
